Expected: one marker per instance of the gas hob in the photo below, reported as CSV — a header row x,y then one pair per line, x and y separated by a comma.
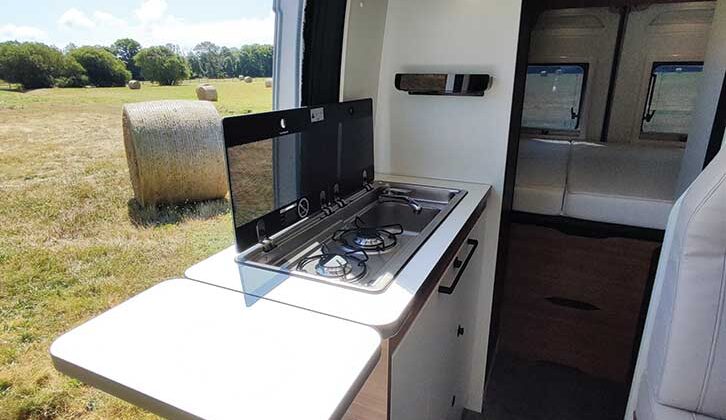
x,y
362,243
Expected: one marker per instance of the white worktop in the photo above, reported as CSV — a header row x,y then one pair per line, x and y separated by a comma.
x,y
184,349
385,310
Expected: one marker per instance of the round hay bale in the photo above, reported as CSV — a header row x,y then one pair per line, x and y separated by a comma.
x,y
175,151
248,79
134,84
268,83
241,77
207,92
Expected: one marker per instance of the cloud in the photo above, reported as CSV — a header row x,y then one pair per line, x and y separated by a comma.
x,y
74,18
107,19
152,23
21,33
160,27
230,32
151,10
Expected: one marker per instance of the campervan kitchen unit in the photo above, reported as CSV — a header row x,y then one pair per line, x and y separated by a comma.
x,y
488,209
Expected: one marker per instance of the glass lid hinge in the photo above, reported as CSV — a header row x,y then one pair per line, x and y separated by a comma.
x,y
367,185
337,198
262,238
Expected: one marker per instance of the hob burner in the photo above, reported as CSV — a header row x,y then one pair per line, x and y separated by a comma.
x,y
348,266
333,265
368,238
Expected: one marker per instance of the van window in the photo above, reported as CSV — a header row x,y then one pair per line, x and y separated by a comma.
x,y
671,95
553,96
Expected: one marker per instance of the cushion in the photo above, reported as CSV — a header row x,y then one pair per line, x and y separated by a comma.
x,y
623,184
541,176
649,409
687,353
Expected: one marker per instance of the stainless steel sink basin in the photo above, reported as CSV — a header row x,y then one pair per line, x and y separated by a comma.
x,y
432,195
389,213
418,209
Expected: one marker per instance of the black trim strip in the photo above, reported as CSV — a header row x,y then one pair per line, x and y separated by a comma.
x,y
622,24
529,12
588,228
719,126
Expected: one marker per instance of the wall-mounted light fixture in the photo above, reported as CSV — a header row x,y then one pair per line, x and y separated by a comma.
x,y
449,84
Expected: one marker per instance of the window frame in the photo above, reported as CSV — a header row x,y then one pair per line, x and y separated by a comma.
x,y
286,76
287,53
657,136
575,132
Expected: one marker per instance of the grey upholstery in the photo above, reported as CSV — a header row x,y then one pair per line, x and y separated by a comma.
x,y
623,184
616,183
684,369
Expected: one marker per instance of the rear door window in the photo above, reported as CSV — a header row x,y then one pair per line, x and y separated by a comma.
x,y
553,96
671,96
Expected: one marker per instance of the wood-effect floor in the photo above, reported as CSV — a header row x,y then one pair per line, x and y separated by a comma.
x,y
573,300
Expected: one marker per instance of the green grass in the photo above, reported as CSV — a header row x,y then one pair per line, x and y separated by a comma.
x,y
73,244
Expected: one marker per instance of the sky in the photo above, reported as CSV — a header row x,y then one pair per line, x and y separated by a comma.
x,y
185,23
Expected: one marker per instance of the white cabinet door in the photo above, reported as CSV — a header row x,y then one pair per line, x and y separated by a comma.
x,y
475,330
459,304
426,366
445,372
416,364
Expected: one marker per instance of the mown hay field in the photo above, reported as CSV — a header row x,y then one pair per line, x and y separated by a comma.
x,y
73,244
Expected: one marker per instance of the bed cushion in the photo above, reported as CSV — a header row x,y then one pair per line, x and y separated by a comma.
x,y
623,184
541,176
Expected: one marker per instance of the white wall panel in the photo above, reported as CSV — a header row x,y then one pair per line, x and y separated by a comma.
x,y
365,26
714,68
457,138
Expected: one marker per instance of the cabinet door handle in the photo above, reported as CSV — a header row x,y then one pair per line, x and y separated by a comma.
x,y
447,290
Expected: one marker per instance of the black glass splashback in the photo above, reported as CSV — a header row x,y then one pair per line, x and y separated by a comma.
x,y
355,149
284,166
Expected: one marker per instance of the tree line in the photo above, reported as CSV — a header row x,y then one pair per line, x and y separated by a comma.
x,y
35,65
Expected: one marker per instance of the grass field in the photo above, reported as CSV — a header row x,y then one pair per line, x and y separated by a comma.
x,y
72,244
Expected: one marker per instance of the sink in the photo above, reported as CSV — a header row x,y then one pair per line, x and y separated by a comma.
x,y
432,195
390,213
